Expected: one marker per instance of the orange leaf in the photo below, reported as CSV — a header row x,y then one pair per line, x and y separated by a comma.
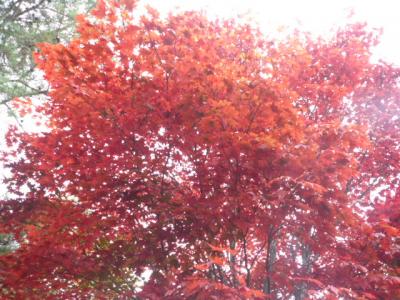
x,y
217,260
201,267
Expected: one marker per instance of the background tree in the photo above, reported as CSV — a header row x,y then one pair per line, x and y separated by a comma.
x,y
22,25
225,164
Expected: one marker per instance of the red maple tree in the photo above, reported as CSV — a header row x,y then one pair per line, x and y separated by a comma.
x,y
219,162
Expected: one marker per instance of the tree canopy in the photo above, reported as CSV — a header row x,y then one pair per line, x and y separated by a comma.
x,y
218,162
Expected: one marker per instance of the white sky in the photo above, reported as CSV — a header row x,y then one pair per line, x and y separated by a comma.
x,y
316,16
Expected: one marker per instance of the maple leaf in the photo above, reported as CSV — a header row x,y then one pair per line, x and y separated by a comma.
x,y
178,140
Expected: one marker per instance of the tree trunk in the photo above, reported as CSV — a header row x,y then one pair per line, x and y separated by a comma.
x,y
269,264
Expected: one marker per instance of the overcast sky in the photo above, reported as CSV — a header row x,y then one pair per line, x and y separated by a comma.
x,y
317,16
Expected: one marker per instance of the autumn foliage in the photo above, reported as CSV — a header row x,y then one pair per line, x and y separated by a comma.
x,y
219,162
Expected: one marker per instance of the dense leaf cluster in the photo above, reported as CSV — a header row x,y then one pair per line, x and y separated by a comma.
x,y
217,162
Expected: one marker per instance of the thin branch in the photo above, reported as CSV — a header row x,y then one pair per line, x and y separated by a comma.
x,y
8,100
13,17
10,110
